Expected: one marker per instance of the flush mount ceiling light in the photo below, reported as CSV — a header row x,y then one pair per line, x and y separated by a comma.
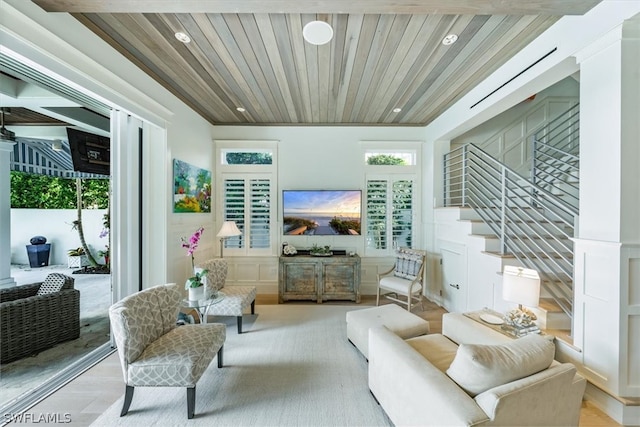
x,y
450,39
397,110
183,37
241,109
317,32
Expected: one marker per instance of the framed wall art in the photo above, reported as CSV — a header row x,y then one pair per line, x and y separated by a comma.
x,y
191,188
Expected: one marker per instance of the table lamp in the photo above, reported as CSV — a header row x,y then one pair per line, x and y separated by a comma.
x,y
228,229
521,286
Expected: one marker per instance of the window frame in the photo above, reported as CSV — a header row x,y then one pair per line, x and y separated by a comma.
x,y
247,173
392,173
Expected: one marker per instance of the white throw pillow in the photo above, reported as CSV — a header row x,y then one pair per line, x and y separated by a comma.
x,y
477,368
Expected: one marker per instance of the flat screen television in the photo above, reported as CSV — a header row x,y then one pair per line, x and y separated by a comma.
x,y
90,153
321,212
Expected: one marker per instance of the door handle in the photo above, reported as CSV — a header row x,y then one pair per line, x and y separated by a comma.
x,y
454,286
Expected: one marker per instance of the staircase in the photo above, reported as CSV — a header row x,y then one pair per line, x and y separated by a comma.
x,y
555,160
532,219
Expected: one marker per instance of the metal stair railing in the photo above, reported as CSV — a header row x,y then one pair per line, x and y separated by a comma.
x,y
555,156
533,224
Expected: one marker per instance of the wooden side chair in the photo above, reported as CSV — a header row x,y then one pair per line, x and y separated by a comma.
x,y
405,279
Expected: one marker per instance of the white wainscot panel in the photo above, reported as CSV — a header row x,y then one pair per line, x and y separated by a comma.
x,y
600,345
633,361
247,272
599,282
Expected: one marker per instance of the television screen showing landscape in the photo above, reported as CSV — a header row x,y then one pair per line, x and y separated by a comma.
x,y
321,212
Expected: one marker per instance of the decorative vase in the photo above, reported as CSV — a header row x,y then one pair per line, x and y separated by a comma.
x,y
196,294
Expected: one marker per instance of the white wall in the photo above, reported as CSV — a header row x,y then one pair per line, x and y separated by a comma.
x,y
57,226
322,158
326,157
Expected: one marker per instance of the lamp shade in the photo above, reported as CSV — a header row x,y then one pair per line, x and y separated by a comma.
x,y
521,286
228,229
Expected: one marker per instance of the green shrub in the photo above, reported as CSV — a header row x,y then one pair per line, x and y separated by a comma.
x,y
33,191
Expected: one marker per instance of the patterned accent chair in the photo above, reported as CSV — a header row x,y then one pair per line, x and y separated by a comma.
x,y
38,316
154,352
237,298
404,279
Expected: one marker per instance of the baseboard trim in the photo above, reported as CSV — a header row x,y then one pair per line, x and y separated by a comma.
x,y
623,410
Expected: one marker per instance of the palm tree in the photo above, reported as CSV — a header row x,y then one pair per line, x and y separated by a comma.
x,y
77,224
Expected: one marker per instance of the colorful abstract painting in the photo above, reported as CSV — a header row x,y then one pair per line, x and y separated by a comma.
x,y
191,188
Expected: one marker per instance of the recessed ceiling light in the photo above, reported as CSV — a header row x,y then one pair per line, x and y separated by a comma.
x,y
317,32
241,109
183,37
450,39
397,110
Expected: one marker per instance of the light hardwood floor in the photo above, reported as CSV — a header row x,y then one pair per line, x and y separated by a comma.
x,y
86,397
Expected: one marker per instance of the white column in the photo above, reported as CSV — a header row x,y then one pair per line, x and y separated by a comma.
x,y
607,251
5,216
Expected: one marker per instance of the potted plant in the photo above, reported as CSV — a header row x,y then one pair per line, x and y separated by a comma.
x,y
196,283
105,253
320,250
77,258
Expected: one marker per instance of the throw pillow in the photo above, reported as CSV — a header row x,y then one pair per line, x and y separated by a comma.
x,y
407,264
53,283
477,368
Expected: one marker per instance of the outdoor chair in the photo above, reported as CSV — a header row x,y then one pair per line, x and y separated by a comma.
x,y
404,279
154,351
38,316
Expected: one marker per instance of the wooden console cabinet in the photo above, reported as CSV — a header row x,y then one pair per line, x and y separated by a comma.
x,y
306,277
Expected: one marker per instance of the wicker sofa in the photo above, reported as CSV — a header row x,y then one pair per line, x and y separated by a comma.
x,y
30,323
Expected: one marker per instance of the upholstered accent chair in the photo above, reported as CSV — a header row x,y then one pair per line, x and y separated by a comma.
x,y
38,316
404,279
237,298
154,351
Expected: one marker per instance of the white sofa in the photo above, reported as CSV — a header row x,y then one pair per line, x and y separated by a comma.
x,y
412,379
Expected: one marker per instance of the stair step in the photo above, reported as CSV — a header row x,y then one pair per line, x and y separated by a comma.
x,y
551,316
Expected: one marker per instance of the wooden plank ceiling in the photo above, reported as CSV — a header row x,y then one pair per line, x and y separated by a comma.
x,y
383,55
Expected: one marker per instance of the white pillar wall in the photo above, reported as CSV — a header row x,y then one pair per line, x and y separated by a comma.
x,y
607,251
5,215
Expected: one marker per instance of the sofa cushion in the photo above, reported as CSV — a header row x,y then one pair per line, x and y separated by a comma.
x,y
436,348
477,368
53,283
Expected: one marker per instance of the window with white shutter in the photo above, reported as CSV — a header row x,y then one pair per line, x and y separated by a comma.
x,y
247,195
390,212
248,202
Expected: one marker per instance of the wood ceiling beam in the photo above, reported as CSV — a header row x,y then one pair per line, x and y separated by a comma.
x,y
442,7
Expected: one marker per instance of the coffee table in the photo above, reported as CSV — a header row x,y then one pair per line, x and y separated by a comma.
x,y
202,306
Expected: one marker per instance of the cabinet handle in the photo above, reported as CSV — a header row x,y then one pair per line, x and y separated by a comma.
x,y
454,286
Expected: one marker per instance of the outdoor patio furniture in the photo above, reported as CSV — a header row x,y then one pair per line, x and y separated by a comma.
x,y
38,316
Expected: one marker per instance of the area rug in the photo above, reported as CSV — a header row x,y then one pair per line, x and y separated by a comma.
x,y
292,367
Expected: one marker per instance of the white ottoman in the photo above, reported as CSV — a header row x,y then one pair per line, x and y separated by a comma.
x,y
396,319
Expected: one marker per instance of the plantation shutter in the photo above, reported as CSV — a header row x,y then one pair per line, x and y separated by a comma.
x,y
247,201
390,212
402,215
377,214
260,225
234,194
